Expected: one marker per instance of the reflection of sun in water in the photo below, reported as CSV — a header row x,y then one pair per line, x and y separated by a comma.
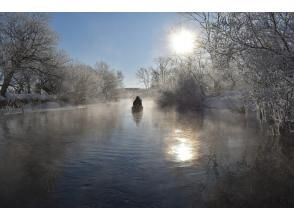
x,y
182,148
182,41
182,151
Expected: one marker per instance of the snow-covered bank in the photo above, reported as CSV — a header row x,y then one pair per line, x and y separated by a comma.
x,y
18,100
29,103
44,107
22,104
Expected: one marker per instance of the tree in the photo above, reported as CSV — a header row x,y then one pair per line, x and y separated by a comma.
x,y
80,84
144,76
120,78
27,45
164,71
261,46
110,81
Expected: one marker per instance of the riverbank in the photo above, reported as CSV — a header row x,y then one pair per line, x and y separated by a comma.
x,y
15,104
28,103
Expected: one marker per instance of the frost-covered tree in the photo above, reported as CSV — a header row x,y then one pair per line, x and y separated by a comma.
x,y
110,80
27,48
80,84
144,76
180,81
261,47
120,78
162,72
83,84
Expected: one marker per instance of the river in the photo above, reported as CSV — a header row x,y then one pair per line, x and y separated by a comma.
x,y
106,156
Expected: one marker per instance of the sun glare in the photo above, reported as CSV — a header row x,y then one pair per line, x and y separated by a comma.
x,y
182,151
182,41
182,147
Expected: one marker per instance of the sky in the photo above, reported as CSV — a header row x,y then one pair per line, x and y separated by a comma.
x,y
126,41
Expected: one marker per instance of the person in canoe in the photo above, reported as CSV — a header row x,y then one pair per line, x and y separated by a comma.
x,y
137,105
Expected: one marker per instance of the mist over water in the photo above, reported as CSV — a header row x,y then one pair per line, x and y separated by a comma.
x,y
107,156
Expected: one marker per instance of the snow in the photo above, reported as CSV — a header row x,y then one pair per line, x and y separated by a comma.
x,y
44,107
25,103
27,97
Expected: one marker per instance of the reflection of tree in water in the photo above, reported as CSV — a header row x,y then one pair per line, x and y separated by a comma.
x,y
241,167
137,116
165,118
181,135
35,146
265,181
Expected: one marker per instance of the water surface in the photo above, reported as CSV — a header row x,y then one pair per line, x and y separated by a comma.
x,y
106,156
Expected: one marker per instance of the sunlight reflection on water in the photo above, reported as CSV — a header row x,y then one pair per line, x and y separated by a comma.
x,y
105,156
182,146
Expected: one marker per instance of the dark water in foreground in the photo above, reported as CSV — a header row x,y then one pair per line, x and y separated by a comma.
x,y
104,156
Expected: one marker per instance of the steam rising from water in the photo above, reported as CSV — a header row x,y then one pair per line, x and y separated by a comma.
x,y
101,157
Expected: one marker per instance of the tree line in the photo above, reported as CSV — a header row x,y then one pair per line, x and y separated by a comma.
x,y
252,53
31,62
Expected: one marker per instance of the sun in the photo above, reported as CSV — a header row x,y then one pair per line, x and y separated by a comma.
x,y
182,41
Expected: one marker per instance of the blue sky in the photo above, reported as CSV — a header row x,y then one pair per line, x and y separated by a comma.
x,y
126,41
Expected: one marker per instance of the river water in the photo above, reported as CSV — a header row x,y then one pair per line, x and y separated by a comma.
x,y
106,156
